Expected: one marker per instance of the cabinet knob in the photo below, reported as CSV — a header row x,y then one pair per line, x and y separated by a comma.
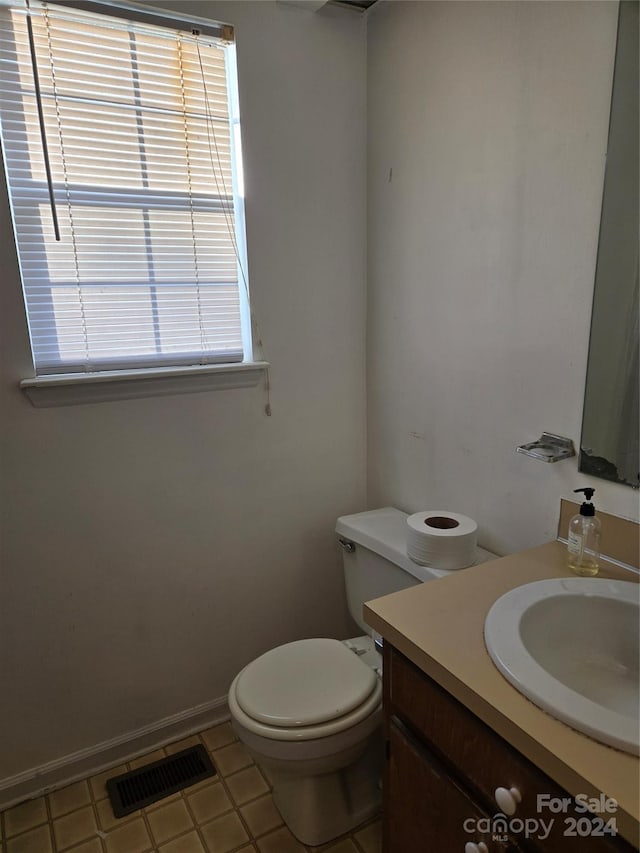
x,y
470,847
507,800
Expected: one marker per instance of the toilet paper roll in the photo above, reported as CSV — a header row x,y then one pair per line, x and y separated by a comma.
x,y
442,539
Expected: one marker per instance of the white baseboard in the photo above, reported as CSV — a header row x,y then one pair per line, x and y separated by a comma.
x,y
95,759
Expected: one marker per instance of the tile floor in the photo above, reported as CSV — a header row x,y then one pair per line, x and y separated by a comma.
x,y
231,813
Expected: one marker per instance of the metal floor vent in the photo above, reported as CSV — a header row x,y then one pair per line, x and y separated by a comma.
x,y
145,785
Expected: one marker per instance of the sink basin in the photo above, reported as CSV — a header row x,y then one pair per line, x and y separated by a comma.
x,y
571,646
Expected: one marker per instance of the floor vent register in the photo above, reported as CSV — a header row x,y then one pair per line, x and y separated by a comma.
x,y
152,782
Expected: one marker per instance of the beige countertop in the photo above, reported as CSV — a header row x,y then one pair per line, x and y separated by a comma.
x,y
440,627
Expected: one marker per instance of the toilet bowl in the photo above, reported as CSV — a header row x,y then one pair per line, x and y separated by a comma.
x,y
310,713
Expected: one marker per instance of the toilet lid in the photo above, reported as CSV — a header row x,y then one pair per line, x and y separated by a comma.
x,y
304,683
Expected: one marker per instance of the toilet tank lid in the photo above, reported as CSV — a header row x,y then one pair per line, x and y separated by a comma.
x,y
384,531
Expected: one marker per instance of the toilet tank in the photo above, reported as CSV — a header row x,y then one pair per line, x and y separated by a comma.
x,y
375,558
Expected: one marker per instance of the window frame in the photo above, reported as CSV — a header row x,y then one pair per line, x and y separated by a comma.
x,y
184,374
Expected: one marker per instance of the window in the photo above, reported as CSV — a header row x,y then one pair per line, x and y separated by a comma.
x,y
127,134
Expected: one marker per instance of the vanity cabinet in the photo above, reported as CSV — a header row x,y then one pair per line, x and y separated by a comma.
x,y
443,768
426,807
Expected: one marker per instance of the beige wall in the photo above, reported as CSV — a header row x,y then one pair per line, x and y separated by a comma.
x,y
487,129
151,548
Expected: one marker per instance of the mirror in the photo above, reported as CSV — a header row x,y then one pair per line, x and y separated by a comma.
x,y
610,425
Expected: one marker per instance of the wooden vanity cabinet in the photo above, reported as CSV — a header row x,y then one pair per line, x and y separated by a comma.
x,y
425,805
442,769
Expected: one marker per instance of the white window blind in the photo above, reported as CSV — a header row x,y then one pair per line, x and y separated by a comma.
x,y
140,127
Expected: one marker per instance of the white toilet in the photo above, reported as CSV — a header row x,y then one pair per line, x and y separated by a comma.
x,y
310,712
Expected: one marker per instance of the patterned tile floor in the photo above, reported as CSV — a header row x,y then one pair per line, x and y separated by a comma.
x,y
231,813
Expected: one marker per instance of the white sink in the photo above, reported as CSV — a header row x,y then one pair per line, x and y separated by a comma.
x,y
571,646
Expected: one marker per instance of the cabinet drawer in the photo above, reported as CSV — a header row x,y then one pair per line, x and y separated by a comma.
x,y
482,758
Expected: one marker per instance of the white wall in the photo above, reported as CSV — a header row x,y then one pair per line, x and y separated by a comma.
x,y
482,243
151,548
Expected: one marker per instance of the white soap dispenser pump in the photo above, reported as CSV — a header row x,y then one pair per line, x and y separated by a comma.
x,y
583,546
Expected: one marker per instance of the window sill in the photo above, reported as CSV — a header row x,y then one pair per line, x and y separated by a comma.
x,y
74,389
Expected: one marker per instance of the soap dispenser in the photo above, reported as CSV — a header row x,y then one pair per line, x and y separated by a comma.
x,y
583,546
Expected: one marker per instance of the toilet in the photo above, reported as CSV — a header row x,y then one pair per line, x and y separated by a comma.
x,y
310,712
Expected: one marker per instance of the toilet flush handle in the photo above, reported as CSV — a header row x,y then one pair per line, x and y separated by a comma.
x,y
347,546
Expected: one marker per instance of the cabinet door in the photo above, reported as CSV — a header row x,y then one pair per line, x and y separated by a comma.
x,y
425,810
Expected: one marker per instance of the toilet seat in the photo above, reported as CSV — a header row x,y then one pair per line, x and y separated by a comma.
x,y
304,683
304,690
